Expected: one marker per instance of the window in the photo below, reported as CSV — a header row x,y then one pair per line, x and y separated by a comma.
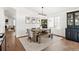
x,y
14,22
54,22
51,22
57,22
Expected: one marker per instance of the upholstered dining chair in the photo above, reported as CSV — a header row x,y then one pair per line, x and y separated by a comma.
x,y
51,33
30,34
39,37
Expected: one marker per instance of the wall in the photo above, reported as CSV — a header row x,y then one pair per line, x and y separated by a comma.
x,y
2,21
21,13
61,30
21,26
63,19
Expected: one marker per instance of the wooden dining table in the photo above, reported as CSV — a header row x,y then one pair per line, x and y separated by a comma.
x,y
36,35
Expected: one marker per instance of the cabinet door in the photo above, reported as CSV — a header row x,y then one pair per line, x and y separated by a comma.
x,y
68,34
75,36
77,19
78,36
72,34
70,20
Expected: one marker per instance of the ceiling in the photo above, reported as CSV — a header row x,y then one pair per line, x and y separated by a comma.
x,y
47,10
52,10
11,11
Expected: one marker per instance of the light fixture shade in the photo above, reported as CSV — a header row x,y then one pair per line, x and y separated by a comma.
x,y
42,13
42,17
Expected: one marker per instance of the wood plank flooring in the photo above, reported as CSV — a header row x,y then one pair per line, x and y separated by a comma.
x,y
10,41
61,44
58,44
19,46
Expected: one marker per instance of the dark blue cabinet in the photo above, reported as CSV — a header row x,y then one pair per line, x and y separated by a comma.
x,y
72,34
75,37
78,36
68,33
72,30
73,19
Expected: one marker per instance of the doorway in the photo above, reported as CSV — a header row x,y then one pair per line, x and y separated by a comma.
x,y
10,19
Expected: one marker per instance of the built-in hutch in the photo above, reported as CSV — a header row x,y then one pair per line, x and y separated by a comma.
x,y
72,30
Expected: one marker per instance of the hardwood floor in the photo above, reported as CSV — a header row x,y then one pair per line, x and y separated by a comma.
x,y
58,44
10,41
61,44
18,46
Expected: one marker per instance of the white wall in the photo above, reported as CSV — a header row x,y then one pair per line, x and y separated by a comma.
x,y
61,30
63,19
22,12
21,26
2,21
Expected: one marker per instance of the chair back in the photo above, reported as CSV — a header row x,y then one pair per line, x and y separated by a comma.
x,y
30,34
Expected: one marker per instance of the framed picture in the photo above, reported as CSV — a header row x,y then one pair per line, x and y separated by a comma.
x,y
33,20
44,23
38,21
27,20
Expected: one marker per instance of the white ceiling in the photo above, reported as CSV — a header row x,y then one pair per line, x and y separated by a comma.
x,y
47,10
11,11
52,10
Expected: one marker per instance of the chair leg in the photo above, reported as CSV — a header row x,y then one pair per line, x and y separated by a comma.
x,y
29,38
39,38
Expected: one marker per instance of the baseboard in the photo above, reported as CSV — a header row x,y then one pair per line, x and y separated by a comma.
x,y
22,36
59,36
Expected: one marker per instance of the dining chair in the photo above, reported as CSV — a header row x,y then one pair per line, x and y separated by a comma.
x,y
30,34
50,33
39,37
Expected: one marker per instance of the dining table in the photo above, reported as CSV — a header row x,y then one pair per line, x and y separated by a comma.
x,y
36,34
